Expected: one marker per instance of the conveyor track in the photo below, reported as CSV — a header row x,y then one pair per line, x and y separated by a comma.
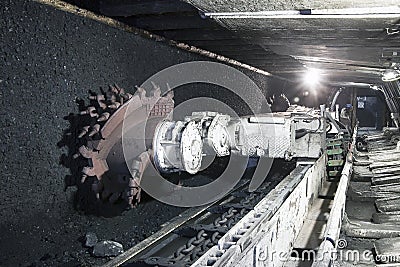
x,y
185,238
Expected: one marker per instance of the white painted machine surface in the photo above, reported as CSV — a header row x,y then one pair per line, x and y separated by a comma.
x,y
296,133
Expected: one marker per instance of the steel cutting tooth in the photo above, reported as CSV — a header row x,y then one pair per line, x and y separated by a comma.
x,y
131,193
117,98
87,111
86,152
120,90
95,130
97,97
126,96
102,104
113,89
130,201
104,116
83,178
113,99
138,196
91,111
115,105
97,187
109,94
84,131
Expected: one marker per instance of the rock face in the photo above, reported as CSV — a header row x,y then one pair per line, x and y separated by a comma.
x,y
107,248
90,240
49,59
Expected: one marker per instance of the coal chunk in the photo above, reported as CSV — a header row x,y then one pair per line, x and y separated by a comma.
x,y
90,240
107,248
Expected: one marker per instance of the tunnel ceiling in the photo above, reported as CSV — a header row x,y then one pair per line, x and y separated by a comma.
x,y
347,49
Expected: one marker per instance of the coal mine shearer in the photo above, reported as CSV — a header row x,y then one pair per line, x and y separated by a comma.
x,y
180,133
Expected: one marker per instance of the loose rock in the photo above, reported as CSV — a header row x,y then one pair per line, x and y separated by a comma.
x,y
107,248
90,240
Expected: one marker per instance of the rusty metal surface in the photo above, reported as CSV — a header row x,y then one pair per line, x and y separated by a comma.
x,y
103,147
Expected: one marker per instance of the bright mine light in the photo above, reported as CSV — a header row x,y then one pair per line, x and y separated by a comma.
x,y
391,75
312,77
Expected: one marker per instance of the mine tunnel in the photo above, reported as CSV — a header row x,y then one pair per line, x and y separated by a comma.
x,y
200,133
